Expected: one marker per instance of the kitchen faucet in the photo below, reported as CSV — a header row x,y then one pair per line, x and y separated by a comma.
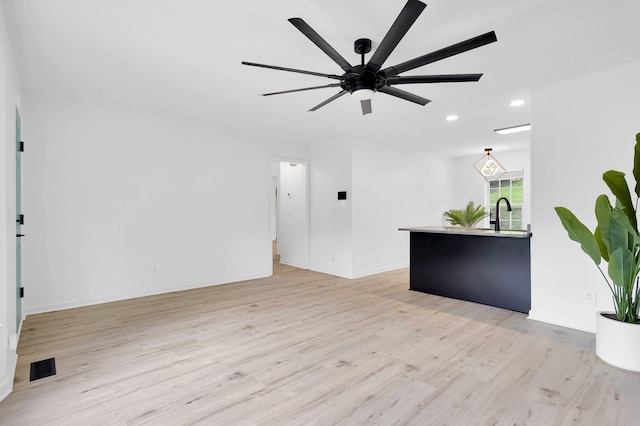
x,y
497,221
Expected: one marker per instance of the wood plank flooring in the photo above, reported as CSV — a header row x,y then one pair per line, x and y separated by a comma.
x,y
307,348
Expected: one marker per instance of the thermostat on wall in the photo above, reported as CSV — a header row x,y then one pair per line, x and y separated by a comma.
x,y
342,195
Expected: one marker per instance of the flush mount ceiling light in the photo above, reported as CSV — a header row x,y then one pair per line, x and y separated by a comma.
x,y
514,129
489,167
517,103
452,117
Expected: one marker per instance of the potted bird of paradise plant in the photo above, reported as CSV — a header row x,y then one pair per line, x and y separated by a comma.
x,y
616,241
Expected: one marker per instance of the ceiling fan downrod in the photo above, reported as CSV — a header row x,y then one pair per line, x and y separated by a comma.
x,y
362,46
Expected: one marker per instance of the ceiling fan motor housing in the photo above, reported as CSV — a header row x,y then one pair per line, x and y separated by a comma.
x,y
361,78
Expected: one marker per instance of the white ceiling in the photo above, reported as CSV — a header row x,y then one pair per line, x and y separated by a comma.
x,y
183,58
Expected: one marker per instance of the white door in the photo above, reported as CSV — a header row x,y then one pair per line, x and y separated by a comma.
x,y
293,214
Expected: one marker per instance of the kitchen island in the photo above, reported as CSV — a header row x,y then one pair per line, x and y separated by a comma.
x,y
474,264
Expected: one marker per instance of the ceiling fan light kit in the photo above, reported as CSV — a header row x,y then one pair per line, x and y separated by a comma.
x,y
365,79
363,94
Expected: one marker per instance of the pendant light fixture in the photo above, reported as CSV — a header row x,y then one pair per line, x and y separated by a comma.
x,y
489,167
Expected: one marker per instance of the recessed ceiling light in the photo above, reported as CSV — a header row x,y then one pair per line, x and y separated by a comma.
x,y
452,117
517,103
514,129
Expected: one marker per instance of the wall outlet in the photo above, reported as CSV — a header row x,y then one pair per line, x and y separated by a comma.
x,y
154,271
590,296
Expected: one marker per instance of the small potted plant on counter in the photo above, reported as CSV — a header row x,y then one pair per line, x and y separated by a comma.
x,y
616,241
468,217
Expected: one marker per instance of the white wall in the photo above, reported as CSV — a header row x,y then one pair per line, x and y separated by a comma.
x,y
293,217
126,205
393,187
581,127
470,186
9,100
387,188
331,228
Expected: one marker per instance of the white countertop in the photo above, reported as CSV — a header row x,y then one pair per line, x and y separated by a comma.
x,y
486,232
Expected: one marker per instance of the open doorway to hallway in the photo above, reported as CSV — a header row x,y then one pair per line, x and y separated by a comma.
x,y
289,214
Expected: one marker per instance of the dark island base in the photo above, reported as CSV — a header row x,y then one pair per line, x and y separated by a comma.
x,y
493,271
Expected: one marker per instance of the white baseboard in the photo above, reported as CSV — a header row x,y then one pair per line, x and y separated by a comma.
x,y
379,270
328,272
185,286
361,274
6,387
293,263
551,319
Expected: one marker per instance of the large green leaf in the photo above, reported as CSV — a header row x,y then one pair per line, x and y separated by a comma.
x,y
580,233
604,251
621,233
618,185
636,164
603,215
618,231
621,267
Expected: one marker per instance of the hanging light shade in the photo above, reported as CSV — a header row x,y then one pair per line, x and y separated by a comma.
x,y
489,167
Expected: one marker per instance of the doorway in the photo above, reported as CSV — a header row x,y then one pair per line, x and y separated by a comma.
x,y
289,213
19,223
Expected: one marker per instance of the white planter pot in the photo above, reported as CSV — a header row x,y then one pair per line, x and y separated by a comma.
x,y
618,343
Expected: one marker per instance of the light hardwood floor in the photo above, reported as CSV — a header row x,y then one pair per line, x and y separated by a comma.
x,y
307,348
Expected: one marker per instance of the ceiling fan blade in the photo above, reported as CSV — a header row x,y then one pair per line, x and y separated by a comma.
x,y
404,95
305,29
447,78
302,90
366,106
273,67
446,52
331,99
403,22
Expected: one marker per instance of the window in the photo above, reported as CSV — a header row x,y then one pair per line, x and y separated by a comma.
x,y
509,186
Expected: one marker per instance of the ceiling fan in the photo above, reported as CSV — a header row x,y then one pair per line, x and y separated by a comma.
x,y
363,80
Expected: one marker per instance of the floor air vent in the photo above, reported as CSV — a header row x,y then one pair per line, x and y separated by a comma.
x,y
42,369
